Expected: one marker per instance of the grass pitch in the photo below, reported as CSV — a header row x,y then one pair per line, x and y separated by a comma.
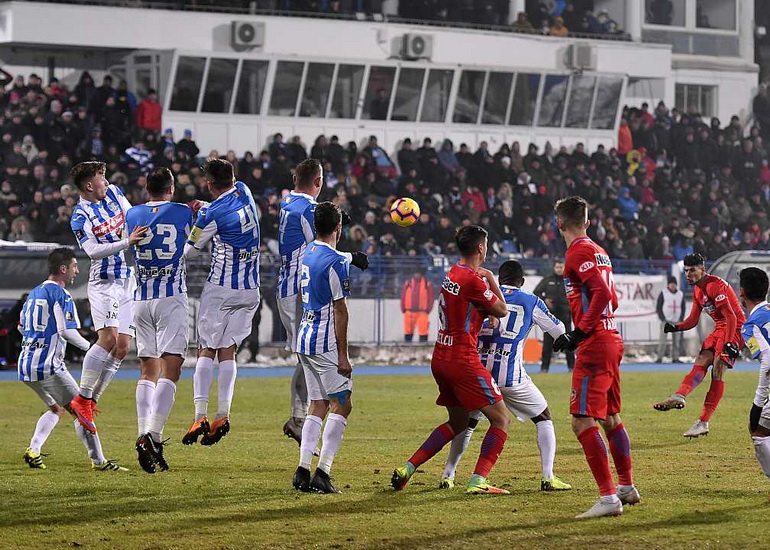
x,y
237,494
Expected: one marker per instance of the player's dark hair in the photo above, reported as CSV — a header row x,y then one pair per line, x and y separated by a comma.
x,y
159,182
84,171
572,211
220,172
327,218
511,273
754,283
59,257
468,238
694,259
307,171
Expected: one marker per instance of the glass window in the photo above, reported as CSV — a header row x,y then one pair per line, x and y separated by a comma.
x,y
315,96
378,92
691,97
579,104
468,99
408,94
288,75
496,100
715,14
524,99
346,91
552,104
219,86
187,83
434,106
251,87
666,12
607,102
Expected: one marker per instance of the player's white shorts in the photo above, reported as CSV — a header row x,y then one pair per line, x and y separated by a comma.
x,y
112,304
290,311
524,400
161,326
224,316
59,388
322,377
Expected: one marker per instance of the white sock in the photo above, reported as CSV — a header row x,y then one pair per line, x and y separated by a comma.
x,y
45,425
93,364
762,450
335,428
613,498
111,366
456,449
298,393
546,442
225,387
311,433
92,443
161,407
204,374
144,392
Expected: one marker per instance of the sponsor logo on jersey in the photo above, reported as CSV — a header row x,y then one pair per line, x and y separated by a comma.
x,y
720,298
111,225
247,255
346,285
154,272
497,351
488,294
450,286
80,234
68,316
568,286
603,260
586,266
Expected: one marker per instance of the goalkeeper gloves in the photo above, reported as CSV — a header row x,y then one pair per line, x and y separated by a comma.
x,y
569,340
670,327
360,260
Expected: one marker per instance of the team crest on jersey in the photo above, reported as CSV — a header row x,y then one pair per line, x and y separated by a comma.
x,y
568,285
69,317
602,260
572,395
80,234
586,266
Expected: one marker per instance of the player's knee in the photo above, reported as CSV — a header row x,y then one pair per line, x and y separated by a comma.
x,y
545,415
107,340
58,410
581,423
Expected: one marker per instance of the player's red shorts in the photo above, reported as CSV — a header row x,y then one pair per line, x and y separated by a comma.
x,y
463,381
716,340
596,377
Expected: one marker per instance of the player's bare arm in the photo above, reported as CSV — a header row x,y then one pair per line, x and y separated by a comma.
x,y
341,332
498,309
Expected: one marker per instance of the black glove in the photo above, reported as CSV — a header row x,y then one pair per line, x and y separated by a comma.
x,y
754,415
569,340
731,350
346,219
669,327
360,260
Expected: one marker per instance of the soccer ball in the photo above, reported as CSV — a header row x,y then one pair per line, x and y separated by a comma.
x,y
405,212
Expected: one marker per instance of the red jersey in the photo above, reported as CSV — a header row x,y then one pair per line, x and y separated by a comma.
x,y
717,298
463,292
590,287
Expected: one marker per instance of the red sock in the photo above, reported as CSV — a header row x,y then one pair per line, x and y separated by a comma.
x,y
435,442
620,447
596,456
491,448
715,393
691,381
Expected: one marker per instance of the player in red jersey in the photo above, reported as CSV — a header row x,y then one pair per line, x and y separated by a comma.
x,y
468,295
720,349
595,395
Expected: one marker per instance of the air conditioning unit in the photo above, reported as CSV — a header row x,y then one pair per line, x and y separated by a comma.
x,y
246,34
417,46
581,57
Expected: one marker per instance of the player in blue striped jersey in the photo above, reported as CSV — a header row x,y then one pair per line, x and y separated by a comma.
x,y
230,296
502,352
160,311
322,344
48,321
98,222
756,333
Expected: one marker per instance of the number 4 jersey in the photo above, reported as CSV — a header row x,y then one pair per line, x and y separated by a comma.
x,y
160,255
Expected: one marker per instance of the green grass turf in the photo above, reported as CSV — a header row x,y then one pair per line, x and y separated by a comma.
x,y
237,494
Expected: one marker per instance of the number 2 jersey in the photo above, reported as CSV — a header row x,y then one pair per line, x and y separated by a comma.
x,y
160,267
231,221
588,275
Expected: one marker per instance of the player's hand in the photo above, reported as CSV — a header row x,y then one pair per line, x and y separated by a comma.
x,y
494,322
731,350
196,205
670,327
346,219
139,233
360,260
344,367
569,340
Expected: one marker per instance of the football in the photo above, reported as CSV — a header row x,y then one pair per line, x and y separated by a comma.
x,y
405,212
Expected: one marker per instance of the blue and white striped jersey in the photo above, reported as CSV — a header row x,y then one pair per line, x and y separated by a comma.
x,y
231,221
295,230
756,334
48,311
325,278
502,348
160,267
103,222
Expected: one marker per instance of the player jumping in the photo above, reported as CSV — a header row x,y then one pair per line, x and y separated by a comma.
x,y
595,395
98,223
720,349
160,311
230,296
469,293
48,321
501,350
